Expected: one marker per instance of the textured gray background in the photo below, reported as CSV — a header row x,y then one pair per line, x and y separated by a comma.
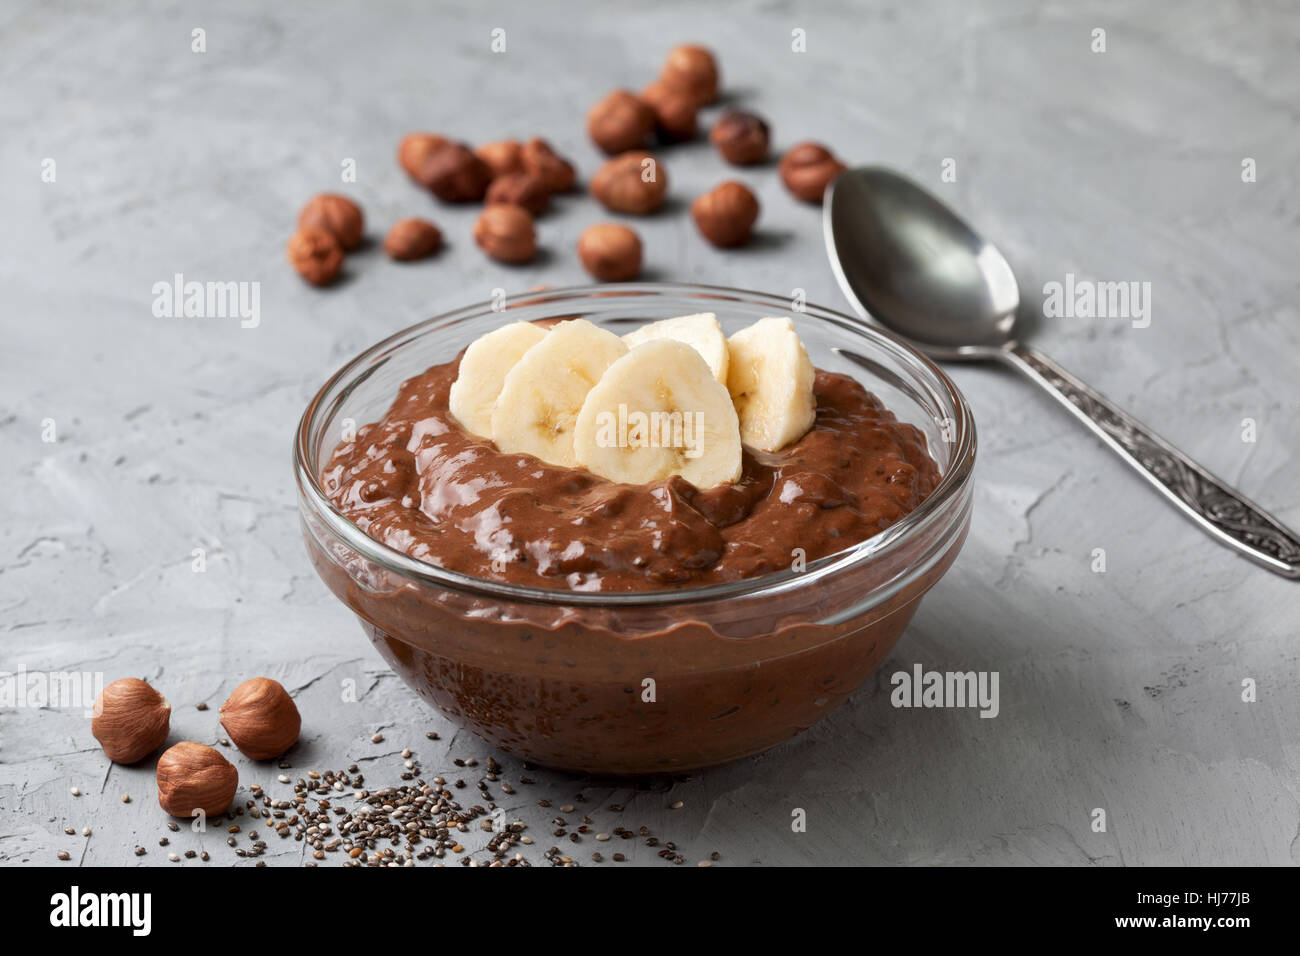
x,y
1118,690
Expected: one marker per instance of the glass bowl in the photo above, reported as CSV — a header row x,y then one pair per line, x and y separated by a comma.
x,y
655,681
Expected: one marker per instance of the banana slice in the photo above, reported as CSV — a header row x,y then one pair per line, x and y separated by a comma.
x,y
701,332
658,411
771,383
483,370
543,393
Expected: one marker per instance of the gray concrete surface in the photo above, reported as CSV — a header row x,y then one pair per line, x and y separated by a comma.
x,y
1119,690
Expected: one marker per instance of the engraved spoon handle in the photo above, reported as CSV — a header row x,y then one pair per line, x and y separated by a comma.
x,y
1218,509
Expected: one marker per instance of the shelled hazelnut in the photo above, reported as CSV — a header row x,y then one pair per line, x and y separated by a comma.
x,y
520,189
726,215
610,252
548,166
504,157
130,720
506,233
620,122
633,182
261,718
193,777
674,110
807,170
693,70
455,174
415,150
337,215
316,254
412,239
740,137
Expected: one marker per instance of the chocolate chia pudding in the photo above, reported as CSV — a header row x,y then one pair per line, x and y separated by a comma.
x,y
676,670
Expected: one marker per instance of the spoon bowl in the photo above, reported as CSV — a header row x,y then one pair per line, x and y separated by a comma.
x,y
907,260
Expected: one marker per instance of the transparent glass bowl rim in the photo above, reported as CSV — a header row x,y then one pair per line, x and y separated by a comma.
x,y
341,383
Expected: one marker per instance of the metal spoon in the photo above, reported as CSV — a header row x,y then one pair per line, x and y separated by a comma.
x,y
906,260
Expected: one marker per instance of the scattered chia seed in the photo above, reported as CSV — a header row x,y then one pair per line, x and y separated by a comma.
x,y
410,823
201,705
64,855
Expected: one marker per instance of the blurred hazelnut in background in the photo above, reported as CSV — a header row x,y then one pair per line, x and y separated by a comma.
x,y
620,122
634,182
610,252
693,70
412,239
726,215
506,233
740,137
807,169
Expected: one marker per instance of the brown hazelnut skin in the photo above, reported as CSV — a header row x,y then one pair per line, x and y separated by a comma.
x,y
548,166
261,718
520,189
131,720
620,122
675,112
504,157
506,233
412,239
693,70
740,137
621,185
454,174
316,254
337,215
415,149
726,215
807,170
610,252
195,777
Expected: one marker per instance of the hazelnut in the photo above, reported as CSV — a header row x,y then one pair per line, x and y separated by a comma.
x,y
337,215
807,170
548,166
316,254
412,239
740,137
675,111
415,150
634,182
692,70
610,252
193,777
454,174
620,122
520,189
506,233
131,720
503,158
261,718
726,215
